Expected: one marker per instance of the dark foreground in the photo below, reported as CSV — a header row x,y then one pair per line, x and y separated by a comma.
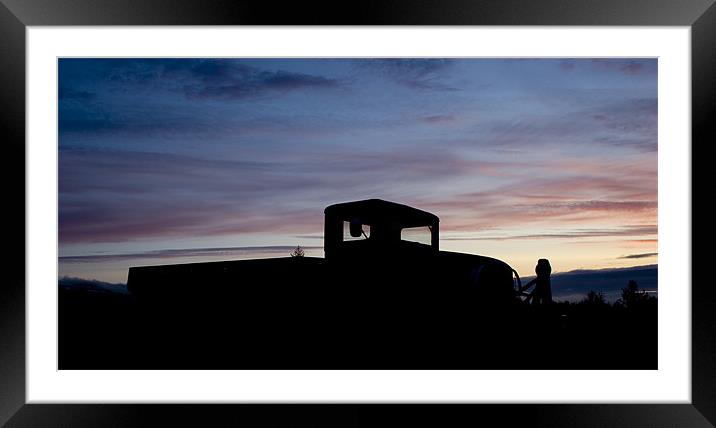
x,y
355,322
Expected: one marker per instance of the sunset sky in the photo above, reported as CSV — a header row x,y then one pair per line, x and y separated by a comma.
x,y
175,160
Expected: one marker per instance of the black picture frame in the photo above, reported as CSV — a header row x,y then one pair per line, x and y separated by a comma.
x,y
16,15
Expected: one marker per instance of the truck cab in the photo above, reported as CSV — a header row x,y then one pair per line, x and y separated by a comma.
x,y
399,245
374,227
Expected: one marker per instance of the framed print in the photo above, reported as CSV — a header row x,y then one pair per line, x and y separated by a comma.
x,y
452,204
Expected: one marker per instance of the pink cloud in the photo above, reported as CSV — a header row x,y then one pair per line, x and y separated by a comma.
x,y
439,118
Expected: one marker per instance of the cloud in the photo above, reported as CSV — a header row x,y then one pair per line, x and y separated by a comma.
x,y
232,80
154,218
126,171
250,82
629,67
112,195
185,163
178,253
413,73
623,66
425,163
65,94
630,124
632,67
196,77
529,199
149,96
190,122
554,191
571,234
145,124
569,206
438,118
567,65
639,256
120,195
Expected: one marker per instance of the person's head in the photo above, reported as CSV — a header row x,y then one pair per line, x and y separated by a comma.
x,y
543,268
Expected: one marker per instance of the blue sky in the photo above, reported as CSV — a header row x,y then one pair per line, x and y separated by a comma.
x,y
174,160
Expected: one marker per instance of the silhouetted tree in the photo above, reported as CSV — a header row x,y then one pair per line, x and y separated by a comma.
x,y
632,296
298,252
594,298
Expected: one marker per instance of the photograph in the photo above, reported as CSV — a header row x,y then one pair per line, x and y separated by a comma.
x,y
355,213
443,211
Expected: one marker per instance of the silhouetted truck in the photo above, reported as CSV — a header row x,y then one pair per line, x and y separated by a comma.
x,y
383,285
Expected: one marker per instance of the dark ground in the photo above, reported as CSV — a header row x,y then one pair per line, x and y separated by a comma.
x,y
354,324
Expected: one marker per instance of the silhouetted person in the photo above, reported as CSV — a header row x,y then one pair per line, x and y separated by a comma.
x,y
542,294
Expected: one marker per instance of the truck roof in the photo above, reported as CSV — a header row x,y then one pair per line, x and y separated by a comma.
x,y
378,209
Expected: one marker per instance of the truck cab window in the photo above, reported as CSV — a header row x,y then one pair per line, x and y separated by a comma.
x,y
420,234
347,232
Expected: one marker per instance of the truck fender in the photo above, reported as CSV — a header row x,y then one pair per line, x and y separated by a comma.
x,y
475,274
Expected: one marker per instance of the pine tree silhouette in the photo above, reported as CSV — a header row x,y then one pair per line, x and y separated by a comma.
x,y
298,252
